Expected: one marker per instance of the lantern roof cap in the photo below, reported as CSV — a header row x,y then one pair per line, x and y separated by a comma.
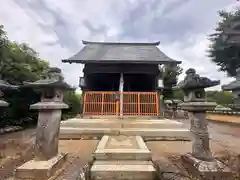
x,y
193,80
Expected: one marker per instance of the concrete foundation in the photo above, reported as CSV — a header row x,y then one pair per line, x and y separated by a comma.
x,y
124,123
40,170
149,129
122,170
122,148
122,157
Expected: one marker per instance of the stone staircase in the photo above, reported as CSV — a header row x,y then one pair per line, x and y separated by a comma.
x,y
122,158
156,129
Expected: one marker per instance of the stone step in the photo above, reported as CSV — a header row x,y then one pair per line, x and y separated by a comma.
x,y
122,148
123,154
146,133
104,123
122,170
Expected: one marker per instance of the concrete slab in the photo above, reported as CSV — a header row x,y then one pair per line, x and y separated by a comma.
x,y
85,123
122,148
125,123
150,134
39,170
164,133
123,170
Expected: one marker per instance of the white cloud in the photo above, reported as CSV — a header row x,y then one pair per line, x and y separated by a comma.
x,y
55,28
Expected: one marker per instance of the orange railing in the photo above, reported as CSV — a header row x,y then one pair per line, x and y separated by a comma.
x,y
108,103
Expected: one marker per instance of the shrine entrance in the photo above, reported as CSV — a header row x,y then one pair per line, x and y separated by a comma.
x,y
108,103
121,79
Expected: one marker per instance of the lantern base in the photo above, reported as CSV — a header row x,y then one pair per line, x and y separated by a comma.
x,y
206,169
40,170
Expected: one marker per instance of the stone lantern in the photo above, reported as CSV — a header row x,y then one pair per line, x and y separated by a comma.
x,y
235,88
4,86
47,158
201,161
172,106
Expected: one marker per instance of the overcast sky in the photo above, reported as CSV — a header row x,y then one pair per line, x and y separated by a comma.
x,y
55,28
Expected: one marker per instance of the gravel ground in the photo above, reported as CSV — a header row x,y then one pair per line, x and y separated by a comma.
x,y
224,138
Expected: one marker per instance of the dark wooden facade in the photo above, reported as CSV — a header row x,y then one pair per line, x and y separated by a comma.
x,y
121,78
105,77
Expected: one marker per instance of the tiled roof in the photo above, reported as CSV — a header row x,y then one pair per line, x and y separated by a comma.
x,y
109,52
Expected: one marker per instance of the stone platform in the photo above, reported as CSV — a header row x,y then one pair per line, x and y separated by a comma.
x,y
122,157
122,170
122,148
149,129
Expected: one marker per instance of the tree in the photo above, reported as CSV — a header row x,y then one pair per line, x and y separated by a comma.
x,y
220,97
19,63
224,49
170,78
73,99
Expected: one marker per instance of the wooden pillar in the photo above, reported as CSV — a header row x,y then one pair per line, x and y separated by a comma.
x,y
121,85
82,103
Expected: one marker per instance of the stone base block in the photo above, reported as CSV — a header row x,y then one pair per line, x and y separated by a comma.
x,y
123,170
207,170
122,148
40,170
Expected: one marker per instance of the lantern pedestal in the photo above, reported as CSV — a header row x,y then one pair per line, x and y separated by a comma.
x,y
208,170
47,159
201,163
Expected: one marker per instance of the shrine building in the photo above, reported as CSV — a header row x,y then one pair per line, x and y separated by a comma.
x,y
121,79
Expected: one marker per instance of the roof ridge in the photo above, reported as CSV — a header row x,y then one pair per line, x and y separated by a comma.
x,y
123,43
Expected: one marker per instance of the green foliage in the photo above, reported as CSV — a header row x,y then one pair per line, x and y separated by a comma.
x,y
170,78
222,53
73,99
18,112
178,94
19,63
220,97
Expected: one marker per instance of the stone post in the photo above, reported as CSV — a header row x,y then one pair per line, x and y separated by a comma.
x,y
47,159
49,117
200,162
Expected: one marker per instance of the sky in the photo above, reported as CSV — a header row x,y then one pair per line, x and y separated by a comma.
x,y
56,28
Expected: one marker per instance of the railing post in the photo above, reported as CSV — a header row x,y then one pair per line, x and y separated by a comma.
x,y
157,103
121,94
139,105
102,103
83,103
